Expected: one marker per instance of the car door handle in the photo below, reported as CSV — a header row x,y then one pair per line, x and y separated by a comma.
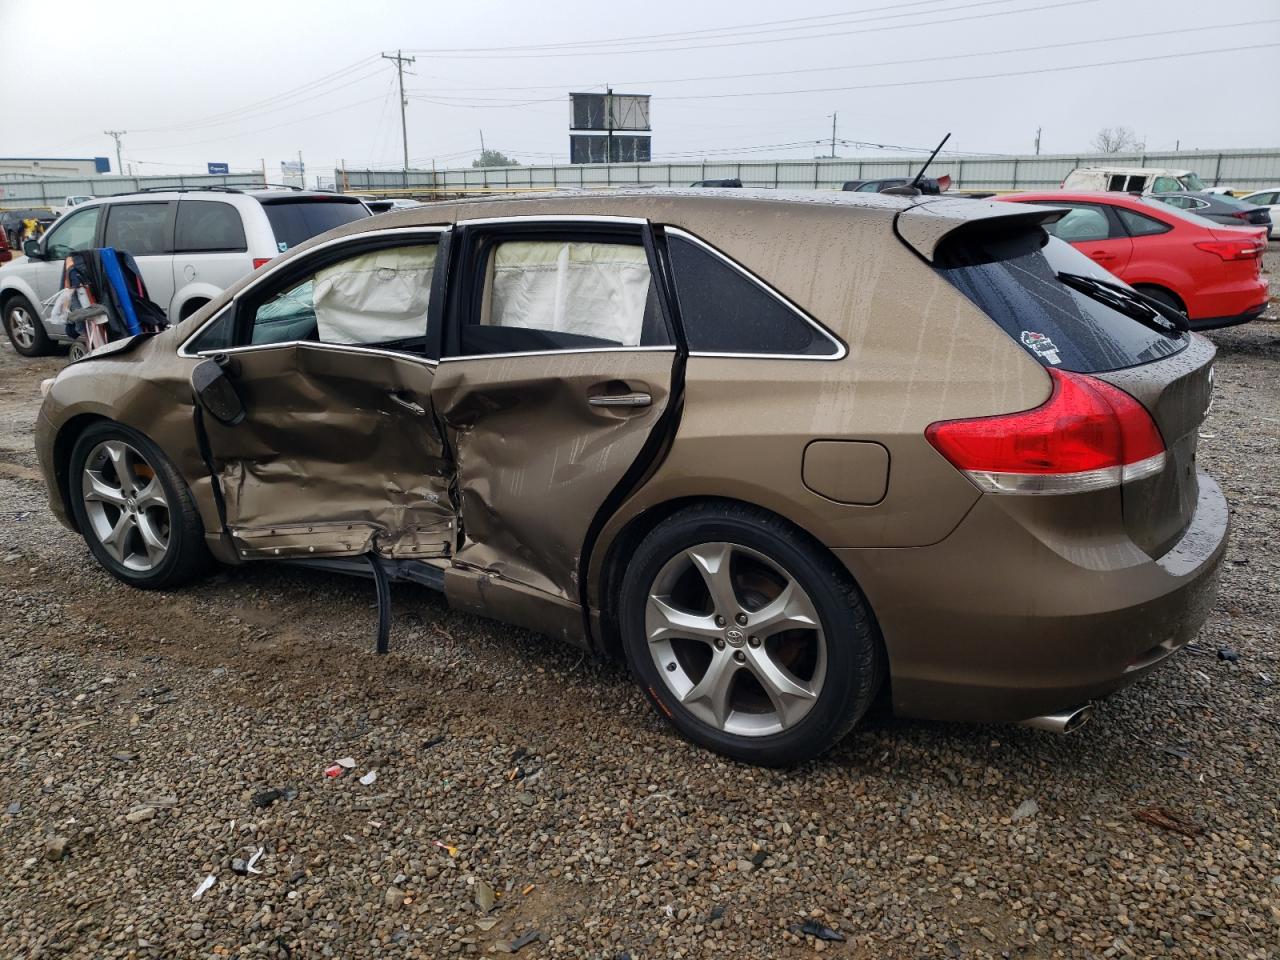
x,y
637,399
407,401
1102,255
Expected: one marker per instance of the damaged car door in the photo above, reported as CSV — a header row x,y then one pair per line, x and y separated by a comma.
x,y
337,453
556,370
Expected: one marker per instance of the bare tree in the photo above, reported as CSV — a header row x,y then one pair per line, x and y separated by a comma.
x,y
1115,140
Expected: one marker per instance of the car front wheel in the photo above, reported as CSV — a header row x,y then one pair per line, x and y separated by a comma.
x,y
25,328
747,636
134,510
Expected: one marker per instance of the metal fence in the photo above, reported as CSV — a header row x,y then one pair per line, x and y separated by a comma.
x,y
1238,168
54,191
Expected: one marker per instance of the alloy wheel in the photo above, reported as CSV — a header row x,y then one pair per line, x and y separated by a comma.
x,y
126,506
22,327
736,639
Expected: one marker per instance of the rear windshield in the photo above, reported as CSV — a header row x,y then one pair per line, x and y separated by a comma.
x,y
293,221
1016,281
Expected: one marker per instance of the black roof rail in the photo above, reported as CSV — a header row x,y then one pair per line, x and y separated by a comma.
x,y
279,186
208,189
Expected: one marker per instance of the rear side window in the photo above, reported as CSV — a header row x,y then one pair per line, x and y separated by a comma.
x,y
726,311
208,226
1015,281
293,221
141,229
1082,224
1140,225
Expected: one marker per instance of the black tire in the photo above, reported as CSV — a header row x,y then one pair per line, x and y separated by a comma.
x,y
855,661
185,556
190,307
1164,296
19,313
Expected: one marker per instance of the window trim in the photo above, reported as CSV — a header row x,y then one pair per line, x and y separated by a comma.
x,y
302,261
454,311
842,350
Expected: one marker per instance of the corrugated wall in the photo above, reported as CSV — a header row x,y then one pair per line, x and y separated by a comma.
x,y
1238,168
52,192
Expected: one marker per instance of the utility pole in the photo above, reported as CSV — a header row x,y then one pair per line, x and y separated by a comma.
x,y
116,135
1038,141
401,60
481,147
833,136
608,112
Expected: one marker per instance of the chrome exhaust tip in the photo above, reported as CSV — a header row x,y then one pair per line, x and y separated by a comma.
x,y
1065,722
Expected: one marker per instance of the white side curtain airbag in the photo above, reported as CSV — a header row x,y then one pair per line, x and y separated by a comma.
x,y
375,297
591,289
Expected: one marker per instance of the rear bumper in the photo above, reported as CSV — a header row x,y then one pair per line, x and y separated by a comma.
x,y
1213,323
1221,302
997,624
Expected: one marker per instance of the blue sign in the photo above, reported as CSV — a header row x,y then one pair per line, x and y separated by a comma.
x,y
219,168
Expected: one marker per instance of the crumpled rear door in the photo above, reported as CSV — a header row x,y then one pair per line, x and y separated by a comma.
x,y
339,455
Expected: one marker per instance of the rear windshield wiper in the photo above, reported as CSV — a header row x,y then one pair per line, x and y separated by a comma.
x,y
1146,310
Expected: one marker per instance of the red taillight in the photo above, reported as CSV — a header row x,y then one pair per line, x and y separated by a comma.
x,y
1231,249
1241,215
1086,436
259,261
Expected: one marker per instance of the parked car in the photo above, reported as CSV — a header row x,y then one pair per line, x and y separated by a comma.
x,y
11,222
1219,209
6,253
927,185
189,244
1269,198
725,182
387,204
642,423
1210,272
1132,179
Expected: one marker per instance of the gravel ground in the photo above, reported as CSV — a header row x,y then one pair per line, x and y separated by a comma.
x,y
522,789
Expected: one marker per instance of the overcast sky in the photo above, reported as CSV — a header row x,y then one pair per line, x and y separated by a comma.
x,y
242,82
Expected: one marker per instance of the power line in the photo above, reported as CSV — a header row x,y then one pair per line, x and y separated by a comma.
x,y
814,36
981,76
721,32
247,111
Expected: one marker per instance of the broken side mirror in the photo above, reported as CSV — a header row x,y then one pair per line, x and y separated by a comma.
x,y
31,250
216,393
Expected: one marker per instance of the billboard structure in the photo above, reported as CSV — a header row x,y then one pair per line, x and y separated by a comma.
x,y
600,116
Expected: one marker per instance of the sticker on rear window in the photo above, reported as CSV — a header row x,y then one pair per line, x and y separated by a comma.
x,y
281,246
1041,346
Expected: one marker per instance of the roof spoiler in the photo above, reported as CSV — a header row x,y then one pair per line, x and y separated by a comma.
x,y
925,225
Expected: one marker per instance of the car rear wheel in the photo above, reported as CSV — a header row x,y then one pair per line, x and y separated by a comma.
x,y
134,510
1164,296
25,328
747,636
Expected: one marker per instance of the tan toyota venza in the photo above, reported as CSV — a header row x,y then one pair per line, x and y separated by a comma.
x,y
782,453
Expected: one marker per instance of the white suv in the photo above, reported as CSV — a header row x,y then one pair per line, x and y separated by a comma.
x,y
189,244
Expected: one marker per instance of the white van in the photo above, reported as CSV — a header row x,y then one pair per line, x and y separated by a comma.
x,y
190,244
1132,179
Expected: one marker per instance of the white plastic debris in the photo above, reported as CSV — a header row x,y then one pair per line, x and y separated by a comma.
x,y
253,860
369,778
347,762
205,884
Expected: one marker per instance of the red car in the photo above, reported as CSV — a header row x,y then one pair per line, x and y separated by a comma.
x,y
1211,272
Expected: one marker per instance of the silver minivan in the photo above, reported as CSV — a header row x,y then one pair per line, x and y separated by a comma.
x,y
190,245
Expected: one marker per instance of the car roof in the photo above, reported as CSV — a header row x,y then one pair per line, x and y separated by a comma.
x,y
1134,171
